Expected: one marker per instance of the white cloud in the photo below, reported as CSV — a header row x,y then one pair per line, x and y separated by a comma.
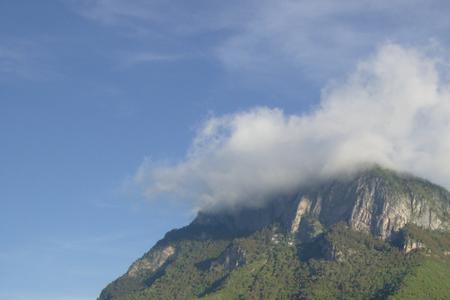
x,y
393,110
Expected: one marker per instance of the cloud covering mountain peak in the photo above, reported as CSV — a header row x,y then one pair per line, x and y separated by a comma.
x,y
393,110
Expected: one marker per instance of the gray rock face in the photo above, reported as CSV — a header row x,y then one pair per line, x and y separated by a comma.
x,y
411,245
152,261
377,201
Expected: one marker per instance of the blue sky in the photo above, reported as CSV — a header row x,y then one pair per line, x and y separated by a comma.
x,y
89,89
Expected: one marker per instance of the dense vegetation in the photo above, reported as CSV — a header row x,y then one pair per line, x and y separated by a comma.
x,y
338,264
430,280
324,260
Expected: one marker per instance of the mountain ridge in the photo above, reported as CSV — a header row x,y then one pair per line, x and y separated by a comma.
x,y
344,196
376,202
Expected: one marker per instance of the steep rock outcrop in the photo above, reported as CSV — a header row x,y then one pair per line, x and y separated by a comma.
x,y
152,261
376,201
381,202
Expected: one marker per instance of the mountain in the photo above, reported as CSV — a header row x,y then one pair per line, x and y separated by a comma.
x,y
377,234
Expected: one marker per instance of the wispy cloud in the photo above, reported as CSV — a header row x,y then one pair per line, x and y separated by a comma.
x,y
323,38
132,59
315,38
114,11
15,61
24,59
175,17
394,110
9,59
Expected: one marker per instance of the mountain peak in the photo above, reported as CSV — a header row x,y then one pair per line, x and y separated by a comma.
x,y
376,200
367,211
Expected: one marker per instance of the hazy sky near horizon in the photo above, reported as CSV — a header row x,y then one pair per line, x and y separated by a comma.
x,y
91,89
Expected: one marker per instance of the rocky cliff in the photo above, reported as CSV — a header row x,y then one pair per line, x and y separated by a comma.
x,y
375,202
